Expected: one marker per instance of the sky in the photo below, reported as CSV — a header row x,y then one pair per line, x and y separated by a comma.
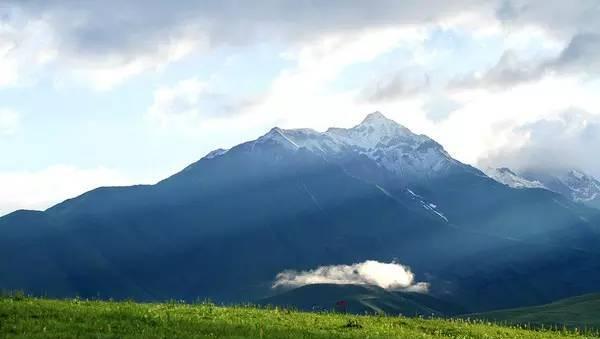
x,y
96,93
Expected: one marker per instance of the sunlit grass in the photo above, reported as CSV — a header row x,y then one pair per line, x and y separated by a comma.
x,y
22,316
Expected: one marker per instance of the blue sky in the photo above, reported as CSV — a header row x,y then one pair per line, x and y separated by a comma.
x,y
93,93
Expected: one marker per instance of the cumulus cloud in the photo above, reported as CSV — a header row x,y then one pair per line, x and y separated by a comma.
x,y
580,56
113,26
9,121
508,71
570,140
390,276
25,47
562,18
107,42
43,188
35,36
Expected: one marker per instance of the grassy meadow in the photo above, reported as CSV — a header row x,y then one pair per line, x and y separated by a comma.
x,y
25,317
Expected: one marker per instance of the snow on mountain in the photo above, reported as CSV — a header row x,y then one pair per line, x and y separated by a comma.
x,y
216,153
390,144
427,205
581,187
509,178
574,184
409,156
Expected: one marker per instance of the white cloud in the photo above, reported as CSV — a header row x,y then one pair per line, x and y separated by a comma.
x,y
106,43
191,105
561,18
9,122
580,56
570,140
105,74
486,120
396,86
25,47
298,96
322,43
301,95
390,276
31,45
179,104
44,188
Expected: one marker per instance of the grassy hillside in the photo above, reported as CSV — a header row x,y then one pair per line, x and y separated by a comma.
x,y
580,312
362,299
38,318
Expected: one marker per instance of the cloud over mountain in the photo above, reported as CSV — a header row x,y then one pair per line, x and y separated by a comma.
x,y
568,140
390,276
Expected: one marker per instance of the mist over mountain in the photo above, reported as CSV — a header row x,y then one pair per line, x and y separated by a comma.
x,y
297,199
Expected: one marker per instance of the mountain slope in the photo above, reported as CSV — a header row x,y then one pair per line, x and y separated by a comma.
x,y
511,179
573,184
223,227
361,300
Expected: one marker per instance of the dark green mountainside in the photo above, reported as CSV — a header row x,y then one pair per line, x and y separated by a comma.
x,y
226,225
578,312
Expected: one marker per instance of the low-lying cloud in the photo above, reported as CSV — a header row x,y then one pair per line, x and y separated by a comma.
x,y
390,276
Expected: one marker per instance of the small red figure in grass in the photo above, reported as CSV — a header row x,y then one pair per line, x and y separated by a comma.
x,y
341,306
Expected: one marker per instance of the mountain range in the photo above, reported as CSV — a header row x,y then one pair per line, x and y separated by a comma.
x,y
226,225
571,183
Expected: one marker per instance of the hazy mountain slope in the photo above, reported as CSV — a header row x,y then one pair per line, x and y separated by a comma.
x,y
580,312
227,224
509,178
575,185
360,300
220,229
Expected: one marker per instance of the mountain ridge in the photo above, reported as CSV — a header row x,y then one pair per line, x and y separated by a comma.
x,y
571,183
224,226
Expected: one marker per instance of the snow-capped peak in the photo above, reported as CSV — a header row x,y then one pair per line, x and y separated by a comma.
x,y
376,121
375,130
388,143
376,117
216,153
574,184
278,136
583,187
509,178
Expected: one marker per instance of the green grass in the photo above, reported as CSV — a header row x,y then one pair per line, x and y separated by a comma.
x,y
578,312
23,317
